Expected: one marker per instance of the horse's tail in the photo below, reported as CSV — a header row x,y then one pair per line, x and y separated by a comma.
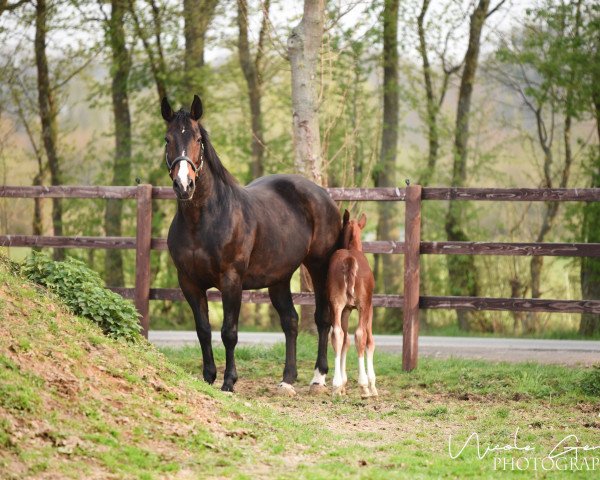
x,y
350,269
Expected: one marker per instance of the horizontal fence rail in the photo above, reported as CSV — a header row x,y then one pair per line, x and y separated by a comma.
x,y
426,248
412,196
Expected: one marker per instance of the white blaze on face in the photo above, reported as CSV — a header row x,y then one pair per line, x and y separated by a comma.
x,y
182,173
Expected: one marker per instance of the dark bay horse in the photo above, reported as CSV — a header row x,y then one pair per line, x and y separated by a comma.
x,y
235,238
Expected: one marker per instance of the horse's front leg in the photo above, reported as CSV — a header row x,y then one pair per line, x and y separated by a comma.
x,y
232,300
196,297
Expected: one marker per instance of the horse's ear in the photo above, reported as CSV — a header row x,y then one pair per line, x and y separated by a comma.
x,y
362,221
196,109
166,110
346,218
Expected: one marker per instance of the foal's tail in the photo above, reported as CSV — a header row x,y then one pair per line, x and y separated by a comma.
x,y
350,269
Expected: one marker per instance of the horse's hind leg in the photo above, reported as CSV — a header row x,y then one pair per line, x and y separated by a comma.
x,y
345,315
281,298
337,342
318,274
370,352
360,340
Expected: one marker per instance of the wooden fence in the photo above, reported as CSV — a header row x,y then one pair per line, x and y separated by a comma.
x,y
412,248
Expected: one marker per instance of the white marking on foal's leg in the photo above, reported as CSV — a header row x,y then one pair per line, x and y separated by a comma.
x,y
318,378
362,375
337,376
363,380
343,365
371,371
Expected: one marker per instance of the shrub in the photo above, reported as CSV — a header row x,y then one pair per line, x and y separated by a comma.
x,y
82,290
590,383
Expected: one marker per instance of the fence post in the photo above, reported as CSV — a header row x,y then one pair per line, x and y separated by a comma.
x,y
412,243
142,254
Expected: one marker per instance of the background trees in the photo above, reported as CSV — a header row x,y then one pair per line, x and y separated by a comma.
x,y
462,93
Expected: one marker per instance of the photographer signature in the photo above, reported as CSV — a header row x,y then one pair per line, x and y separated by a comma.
x,y
554,453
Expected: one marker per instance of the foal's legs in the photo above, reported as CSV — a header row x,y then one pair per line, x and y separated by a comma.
x,y
337,341
281,298
345,314
360,339
370,352
196,297
231,291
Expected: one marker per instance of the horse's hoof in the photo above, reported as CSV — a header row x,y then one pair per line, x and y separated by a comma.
x,y
364,391
373,391
286,390
339,391
227,388
317,389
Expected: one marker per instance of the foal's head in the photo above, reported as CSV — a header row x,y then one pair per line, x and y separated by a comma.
x,y
184,148
351,231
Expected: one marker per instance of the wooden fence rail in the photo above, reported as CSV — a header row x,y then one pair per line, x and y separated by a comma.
x,y
412,248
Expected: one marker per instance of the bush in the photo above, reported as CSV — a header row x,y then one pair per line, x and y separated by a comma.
x,y
82,290
590,382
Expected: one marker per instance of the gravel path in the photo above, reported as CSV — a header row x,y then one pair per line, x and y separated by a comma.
x,y
567,352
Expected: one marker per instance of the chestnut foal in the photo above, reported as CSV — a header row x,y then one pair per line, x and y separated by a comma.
x,y
350,285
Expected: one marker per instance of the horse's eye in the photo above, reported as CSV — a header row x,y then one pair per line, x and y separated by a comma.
x,y
199,139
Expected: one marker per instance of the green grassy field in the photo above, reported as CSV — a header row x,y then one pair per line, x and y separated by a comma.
x,y
405,432
74,404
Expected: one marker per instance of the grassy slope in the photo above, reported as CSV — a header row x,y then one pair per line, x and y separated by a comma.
x,y
74,403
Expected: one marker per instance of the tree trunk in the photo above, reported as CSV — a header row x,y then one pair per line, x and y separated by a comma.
x,y
48,116
590,266
462,275
121,65
197,15
389,267
432,105
253,75
304,46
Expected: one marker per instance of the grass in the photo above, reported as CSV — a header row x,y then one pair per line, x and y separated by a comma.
x,y
75,403
405,433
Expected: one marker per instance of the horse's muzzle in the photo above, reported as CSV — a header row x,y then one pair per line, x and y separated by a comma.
x,y
184,192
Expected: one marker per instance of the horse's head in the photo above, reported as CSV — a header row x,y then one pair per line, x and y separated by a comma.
x,y
351,231
184,148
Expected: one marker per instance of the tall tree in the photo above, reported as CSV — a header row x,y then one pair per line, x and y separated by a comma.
x,y
304,45
48,114
197,15
589,61
542,64
151,36
388,267
121,170
253,73
462,273
434,99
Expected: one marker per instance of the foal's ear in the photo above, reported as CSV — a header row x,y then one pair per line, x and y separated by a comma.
x,y
362,221
196,109
166,110
346,218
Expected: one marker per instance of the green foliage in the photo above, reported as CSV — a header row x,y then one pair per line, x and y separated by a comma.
x,y
83,292
590,383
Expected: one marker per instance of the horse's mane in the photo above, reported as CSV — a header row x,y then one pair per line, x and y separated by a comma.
x,y
210,155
